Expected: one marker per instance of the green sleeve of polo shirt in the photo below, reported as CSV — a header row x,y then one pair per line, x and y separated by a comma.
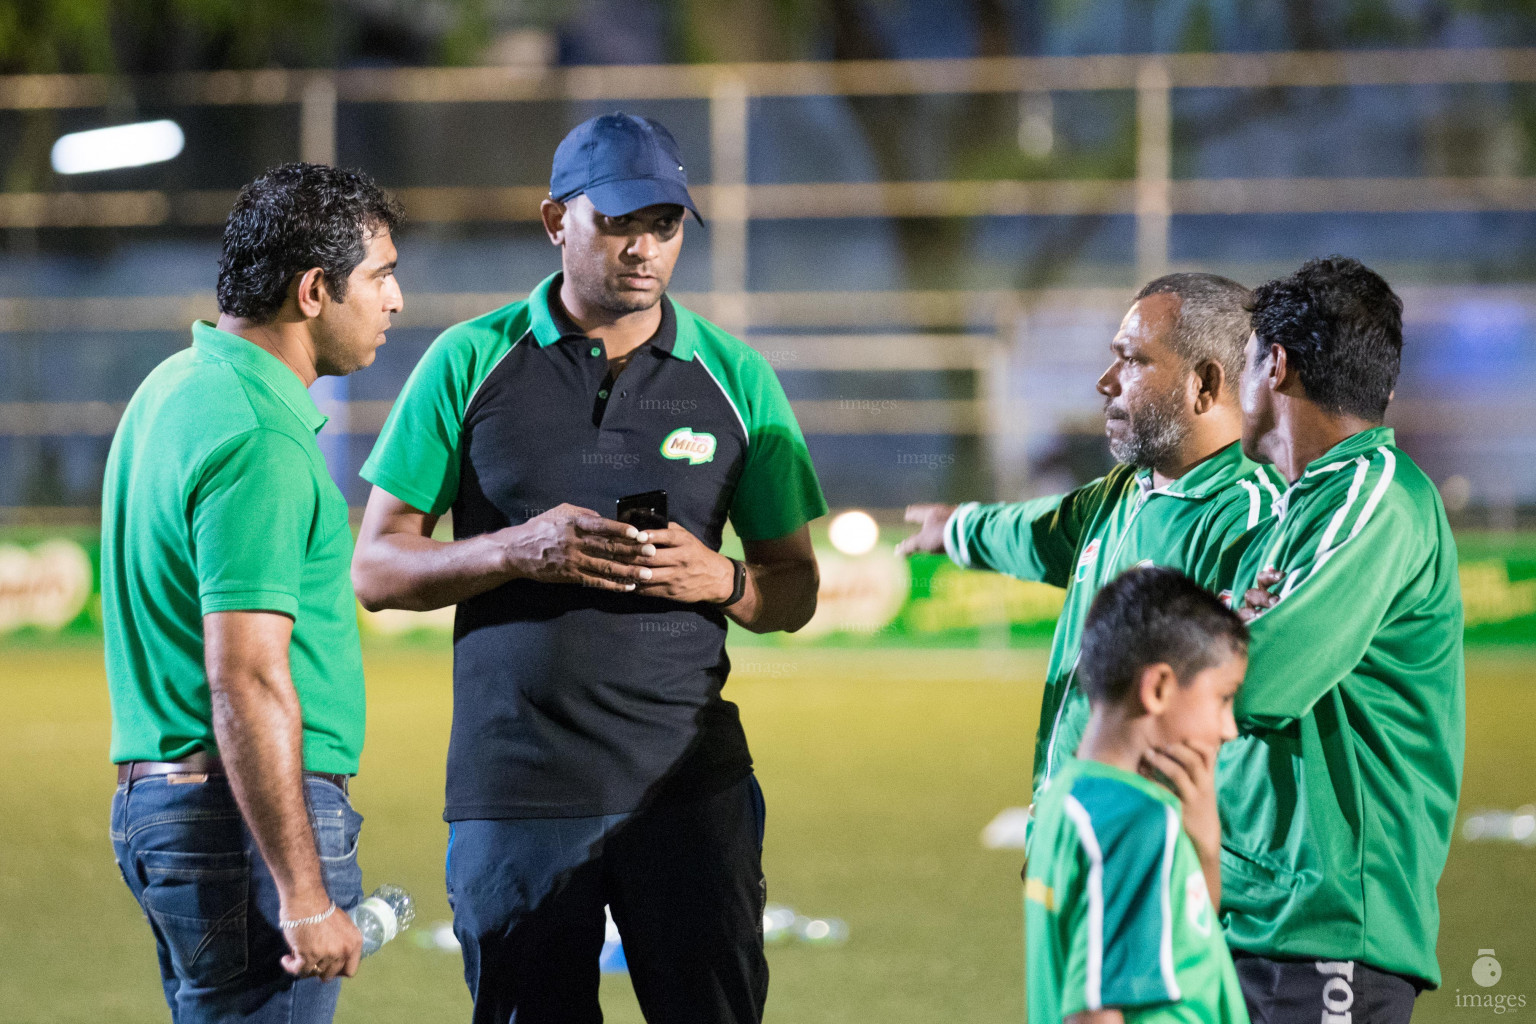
x,y
256,485
777,492
1344,570
1031,540
416,457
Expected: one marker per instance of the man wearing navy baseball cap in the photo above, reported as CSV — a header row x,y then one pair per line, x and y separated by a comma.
x,y
593,761
622,163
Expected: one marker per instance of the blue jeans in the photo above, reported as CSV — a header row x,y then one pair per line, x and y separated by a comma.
x,y
194,867
684,879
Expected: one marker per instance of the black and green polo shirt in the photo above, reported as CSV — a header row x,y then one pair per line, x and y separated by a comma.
x,y
570,700
217,499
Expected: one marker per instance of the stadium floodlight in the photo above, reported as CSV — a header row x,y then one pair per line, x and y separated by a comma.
x,y
123,145
854,533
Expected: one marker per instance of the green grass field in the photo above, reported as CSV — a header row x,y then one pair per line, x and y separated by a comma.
x,y
880,769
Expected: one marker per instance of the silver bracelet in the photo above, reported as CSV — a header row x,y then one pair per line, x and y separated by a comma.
x,y
300,922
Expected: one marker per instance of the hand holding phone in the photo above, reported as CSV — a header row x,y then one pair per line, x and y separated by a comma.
x,y
644,511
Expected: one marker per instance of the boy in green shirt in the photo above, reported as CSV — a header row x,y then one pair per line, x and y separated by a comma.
x,y
1123,872
1339,798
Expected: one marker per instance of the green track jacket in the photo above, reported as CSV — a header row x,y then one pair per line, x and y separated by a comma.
x,y
1085,538
1338,800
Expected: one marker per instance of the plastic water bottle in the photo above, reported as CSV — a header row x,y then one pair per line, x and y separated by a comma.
x,y
382,916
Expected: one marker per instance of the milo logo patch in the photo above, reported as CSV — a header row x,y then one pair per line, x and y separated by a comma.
x,y
683,443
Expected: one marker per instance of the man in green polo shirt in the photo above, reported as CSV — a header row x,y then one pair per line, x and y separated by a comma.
x,y
232,647
1183,488
1339,797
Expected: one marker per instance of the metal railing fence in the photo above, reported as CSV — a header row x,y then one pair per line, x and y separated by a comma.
x,y
903,330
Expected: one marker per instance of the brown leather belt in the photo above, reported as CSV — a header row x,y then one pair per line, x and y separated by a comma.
x,y
197,767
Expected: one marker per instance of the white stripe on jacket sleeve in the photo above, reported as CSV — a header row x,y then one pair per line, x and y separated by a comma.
x,y
1327,547
1165,943
955,545
1093,996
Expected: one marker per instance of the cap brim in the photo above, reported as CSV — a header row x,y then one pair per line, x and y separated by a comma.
x,y
617,198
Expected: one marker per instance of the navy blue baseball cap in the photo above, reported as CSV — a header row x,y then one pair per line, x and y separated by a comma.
x,y
623,163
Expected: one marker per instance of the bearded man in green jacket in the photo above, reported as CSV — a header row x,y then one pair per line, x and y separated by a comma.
x,y
1339,798
1183,489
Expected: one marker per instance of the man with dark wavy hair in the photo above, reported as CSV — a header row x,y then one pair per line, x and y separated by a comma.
x,y
232,649
1339,796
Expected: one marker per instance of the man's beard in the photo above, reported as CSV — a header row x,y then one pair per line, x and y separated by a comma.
x,y
1157,431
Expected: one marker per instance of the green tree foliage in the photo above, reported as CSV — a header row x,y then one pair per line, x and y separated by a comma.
x,y
49,36
133,37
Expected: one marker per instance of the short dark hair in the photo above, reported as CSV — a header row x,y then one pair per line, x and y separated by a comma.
x,y
1341,326
1212,322
1149,616
290,220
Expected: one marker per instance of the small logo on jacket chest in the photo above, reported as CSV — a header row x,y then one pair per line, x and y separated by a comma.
x,y
683,443
1085,561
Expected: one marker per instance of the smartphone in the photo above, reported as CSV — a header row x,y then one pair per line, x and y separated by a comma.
x,y
646,511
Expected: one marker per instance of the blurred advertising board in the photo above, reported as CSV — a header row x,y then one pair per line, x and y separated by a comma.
x,y
1498,586
49,582
49,591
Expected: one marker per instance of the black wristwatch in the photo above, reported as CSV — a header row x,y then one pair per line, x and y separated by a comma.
x,y
739,589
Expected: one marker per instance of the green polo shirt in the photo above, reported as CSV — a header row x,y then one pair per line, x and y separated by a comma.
x,y
217,499
574,701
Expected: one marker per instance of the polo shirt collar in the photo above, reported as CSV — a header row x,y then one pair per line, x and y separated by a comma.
x,y
551,323
1219,471
254,361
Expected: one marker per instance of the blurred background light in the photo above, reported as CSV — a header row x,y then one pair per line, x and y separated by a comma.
x,y
854,533
123,145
